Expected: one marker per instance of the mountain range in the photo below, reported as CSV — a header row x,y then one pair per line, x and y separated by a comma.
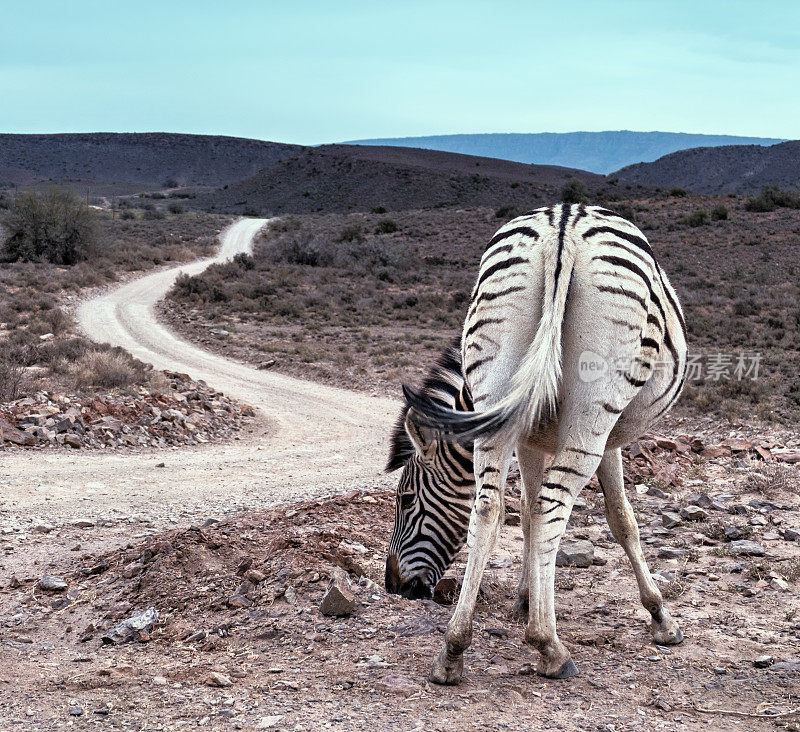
x,y
597,152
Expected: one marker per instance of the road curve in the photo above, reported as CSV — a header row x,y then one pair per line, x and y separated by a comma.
x,y
321,439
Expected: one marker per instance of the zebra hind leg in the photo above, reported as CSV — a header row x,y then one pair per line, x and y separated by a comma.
x,y
570,471
531,468
622,522
491,467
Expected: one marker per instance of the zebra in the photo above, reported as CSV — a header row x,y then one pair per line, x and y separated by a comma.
x,y
573,344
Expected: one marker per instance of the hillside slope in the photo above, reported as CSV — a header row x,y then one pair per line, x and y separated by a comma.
x,y
340,178
138,159
598,152
721,170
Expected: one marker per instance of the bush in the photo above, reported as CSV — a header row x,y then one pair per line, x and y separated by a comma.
x,y
378,210
719,213
244,260
678,192
106,369
351,233
154,214
697,218
12,374
55,226
574,191
175,208
386,226
770,198
506,212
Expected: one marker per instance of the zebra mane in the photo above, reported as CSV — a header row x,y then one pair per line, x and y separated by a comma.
x,y
441,384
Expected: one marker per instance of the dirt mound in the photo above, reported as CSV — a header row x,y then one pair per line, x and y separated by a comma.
x,y
240,639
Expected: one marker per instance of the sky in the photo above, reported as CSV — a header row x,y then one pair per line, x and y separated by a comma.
x,y
307,71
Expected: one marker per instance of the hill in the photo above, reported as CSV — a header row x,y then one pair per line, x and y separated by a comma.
x,y
341,178
135,160
598,152
720,170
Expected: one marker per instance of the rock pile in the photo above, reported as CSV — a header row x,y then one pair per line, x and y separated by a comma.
x,y
189,412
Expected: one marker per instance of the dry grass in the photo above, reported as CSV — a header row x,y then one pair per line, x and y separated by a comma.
x,y
106,370
772,480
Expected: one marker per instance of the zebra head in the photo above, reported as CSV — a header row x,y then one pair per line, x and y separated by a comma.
x,y
435,491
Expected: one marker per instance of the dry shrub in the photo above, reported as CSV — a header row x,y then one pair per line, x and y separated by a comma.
x,y
106,369
772,479
12,375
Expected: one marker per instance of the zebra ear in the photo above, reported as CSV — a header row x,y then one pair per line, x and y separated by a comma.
x,y
423,438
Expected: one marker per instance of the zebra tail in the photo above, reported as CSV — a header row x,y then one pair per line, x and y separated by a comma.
x,y
534,386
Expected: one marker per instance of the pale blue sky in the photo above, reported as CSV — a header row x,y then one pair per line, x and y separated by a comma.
x,y
311,72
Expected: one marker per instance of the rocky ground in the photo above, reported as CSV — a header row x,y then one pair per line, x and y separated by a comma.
x,y
176,411
238,636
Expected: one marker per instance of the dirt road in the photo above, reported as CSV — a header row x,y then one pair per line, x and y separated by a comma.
x,y
318,439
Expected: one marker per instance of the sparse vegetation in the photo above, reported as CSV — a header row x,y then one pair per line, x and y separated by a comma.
x,y
719,213
575,191
697,218
678,192
53,226
770,198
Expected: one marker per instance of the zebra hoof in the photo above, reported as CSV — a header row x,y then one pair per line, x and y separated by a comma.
x,y
566,671
667,632
447,670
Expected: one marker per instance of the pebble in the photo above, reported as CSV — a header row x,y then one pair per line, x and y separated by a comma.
x,y
338,599
694,513
763,661
269,722
670,519
52,583
76,711
217,679
575,554
791,534
750,548
671,552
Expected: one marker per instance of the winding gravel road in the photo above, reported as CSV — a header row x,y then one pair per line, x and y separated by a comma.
x,y
318,440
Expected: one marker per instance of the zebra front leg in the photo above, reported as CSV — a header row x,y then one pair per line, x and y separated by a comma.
x,y
571,469
491,467
622,522
531,469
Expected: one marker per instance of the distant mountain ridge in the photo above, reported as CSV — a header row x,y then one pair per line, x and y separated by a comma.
x,y
597,152
722,170
147,159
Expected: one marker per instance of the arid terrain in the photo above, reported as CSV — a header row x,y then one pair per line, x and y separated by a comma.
x,y
227,490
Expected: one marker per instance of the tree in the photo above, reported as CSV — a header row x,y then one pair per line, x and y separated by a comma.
x,y
574,191
51,226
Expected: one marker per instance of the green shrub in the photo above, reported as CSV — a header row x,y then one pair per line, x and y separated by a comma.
x,y
678,192
770,198
351,233
697,218
54,226
386,226
153,214
574,191
719,213
506,212
378,210
175,208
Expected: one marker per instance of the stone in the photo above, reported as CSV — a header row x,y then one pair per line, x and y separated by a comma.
x,y
51,583
577,554
733,533
239,600
217,679
338,599
750,548
269,722
791,534
780,584
670,519
700,499
10,433
130,628
694,513
671,552
76,711
397,684
763,661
